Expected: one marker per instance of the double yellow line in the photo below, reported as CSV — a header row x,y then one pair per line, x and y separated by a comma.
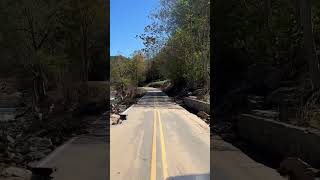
x,y
153,174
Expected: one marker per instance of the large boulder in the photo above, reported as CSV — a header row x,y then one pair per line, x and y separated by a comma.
x,y
16,173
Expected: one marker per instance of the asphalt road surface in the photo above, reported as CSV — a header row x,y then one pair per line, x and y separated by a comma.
x,y
84,157
229,163
159,140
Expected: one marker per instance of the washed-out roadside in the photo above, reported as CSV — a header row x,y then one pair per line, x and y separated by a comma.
x,y
27,136
120,104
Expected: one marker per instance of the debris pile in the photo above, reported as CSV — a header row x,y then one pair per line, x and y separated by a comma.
x,y
28,139
20,146
120,104
15,173
203,115
117,106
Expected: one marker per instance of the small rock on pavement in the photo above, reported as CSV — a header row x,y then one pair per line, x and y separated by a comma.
x,y
16,173
114,118
203,115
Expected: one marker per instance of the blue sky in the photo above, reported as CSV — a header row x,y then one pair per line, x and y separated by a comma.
x,y
128,19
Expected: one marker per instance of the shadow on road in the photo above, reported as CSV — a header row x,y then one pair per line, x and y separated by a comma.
x,y
98,133
190,177
259,154
156,98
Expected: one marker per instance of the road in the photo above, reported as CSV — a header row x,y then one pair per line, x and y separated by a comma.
x,y
229,163
159,140
84,157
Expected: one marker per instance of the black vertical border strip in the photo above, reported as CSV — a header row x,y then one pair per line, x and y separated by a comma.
x,y
212,77
218,13
108,79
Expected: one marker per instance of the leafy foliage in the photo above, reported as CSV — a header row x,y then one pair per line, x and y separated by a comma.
x,y
127,73
53,42
178,43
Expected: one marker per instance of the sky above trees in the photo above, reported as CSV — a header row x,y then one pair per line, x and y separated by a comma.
x,y
128,19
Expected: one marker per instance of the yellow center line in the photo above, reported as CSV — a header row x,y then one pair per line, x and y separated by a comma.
x,y
156,100
163,150
153,174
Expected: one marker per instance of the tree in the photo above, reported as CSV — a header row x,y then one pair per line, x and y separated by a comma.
x,y
52,41
179,38
309,44
138,68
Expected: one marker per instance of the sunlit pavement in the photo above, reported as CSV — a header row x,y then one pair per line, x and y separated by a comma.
x,y
160,140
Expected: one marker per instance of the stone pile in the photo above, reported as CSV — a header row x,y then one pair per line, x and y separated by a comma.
x,y
20,145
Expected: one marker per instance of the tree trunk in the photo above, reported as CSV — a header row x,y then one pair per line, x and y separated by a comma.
x,y
39,84
298,13
309,46
85,56
268,12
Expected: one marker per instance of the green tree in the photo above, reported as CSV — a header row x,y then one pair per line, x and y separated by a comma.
x,y
179,38
138,68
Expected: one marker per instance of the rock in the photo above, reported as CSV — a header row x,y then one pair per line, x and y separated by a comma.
x,y
255,102
35,155
40,143
33,149
46,151
265,113
10,139
179,101
298,169
22,148
199,92
16,157
17,172
122,108
203,115
114,119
